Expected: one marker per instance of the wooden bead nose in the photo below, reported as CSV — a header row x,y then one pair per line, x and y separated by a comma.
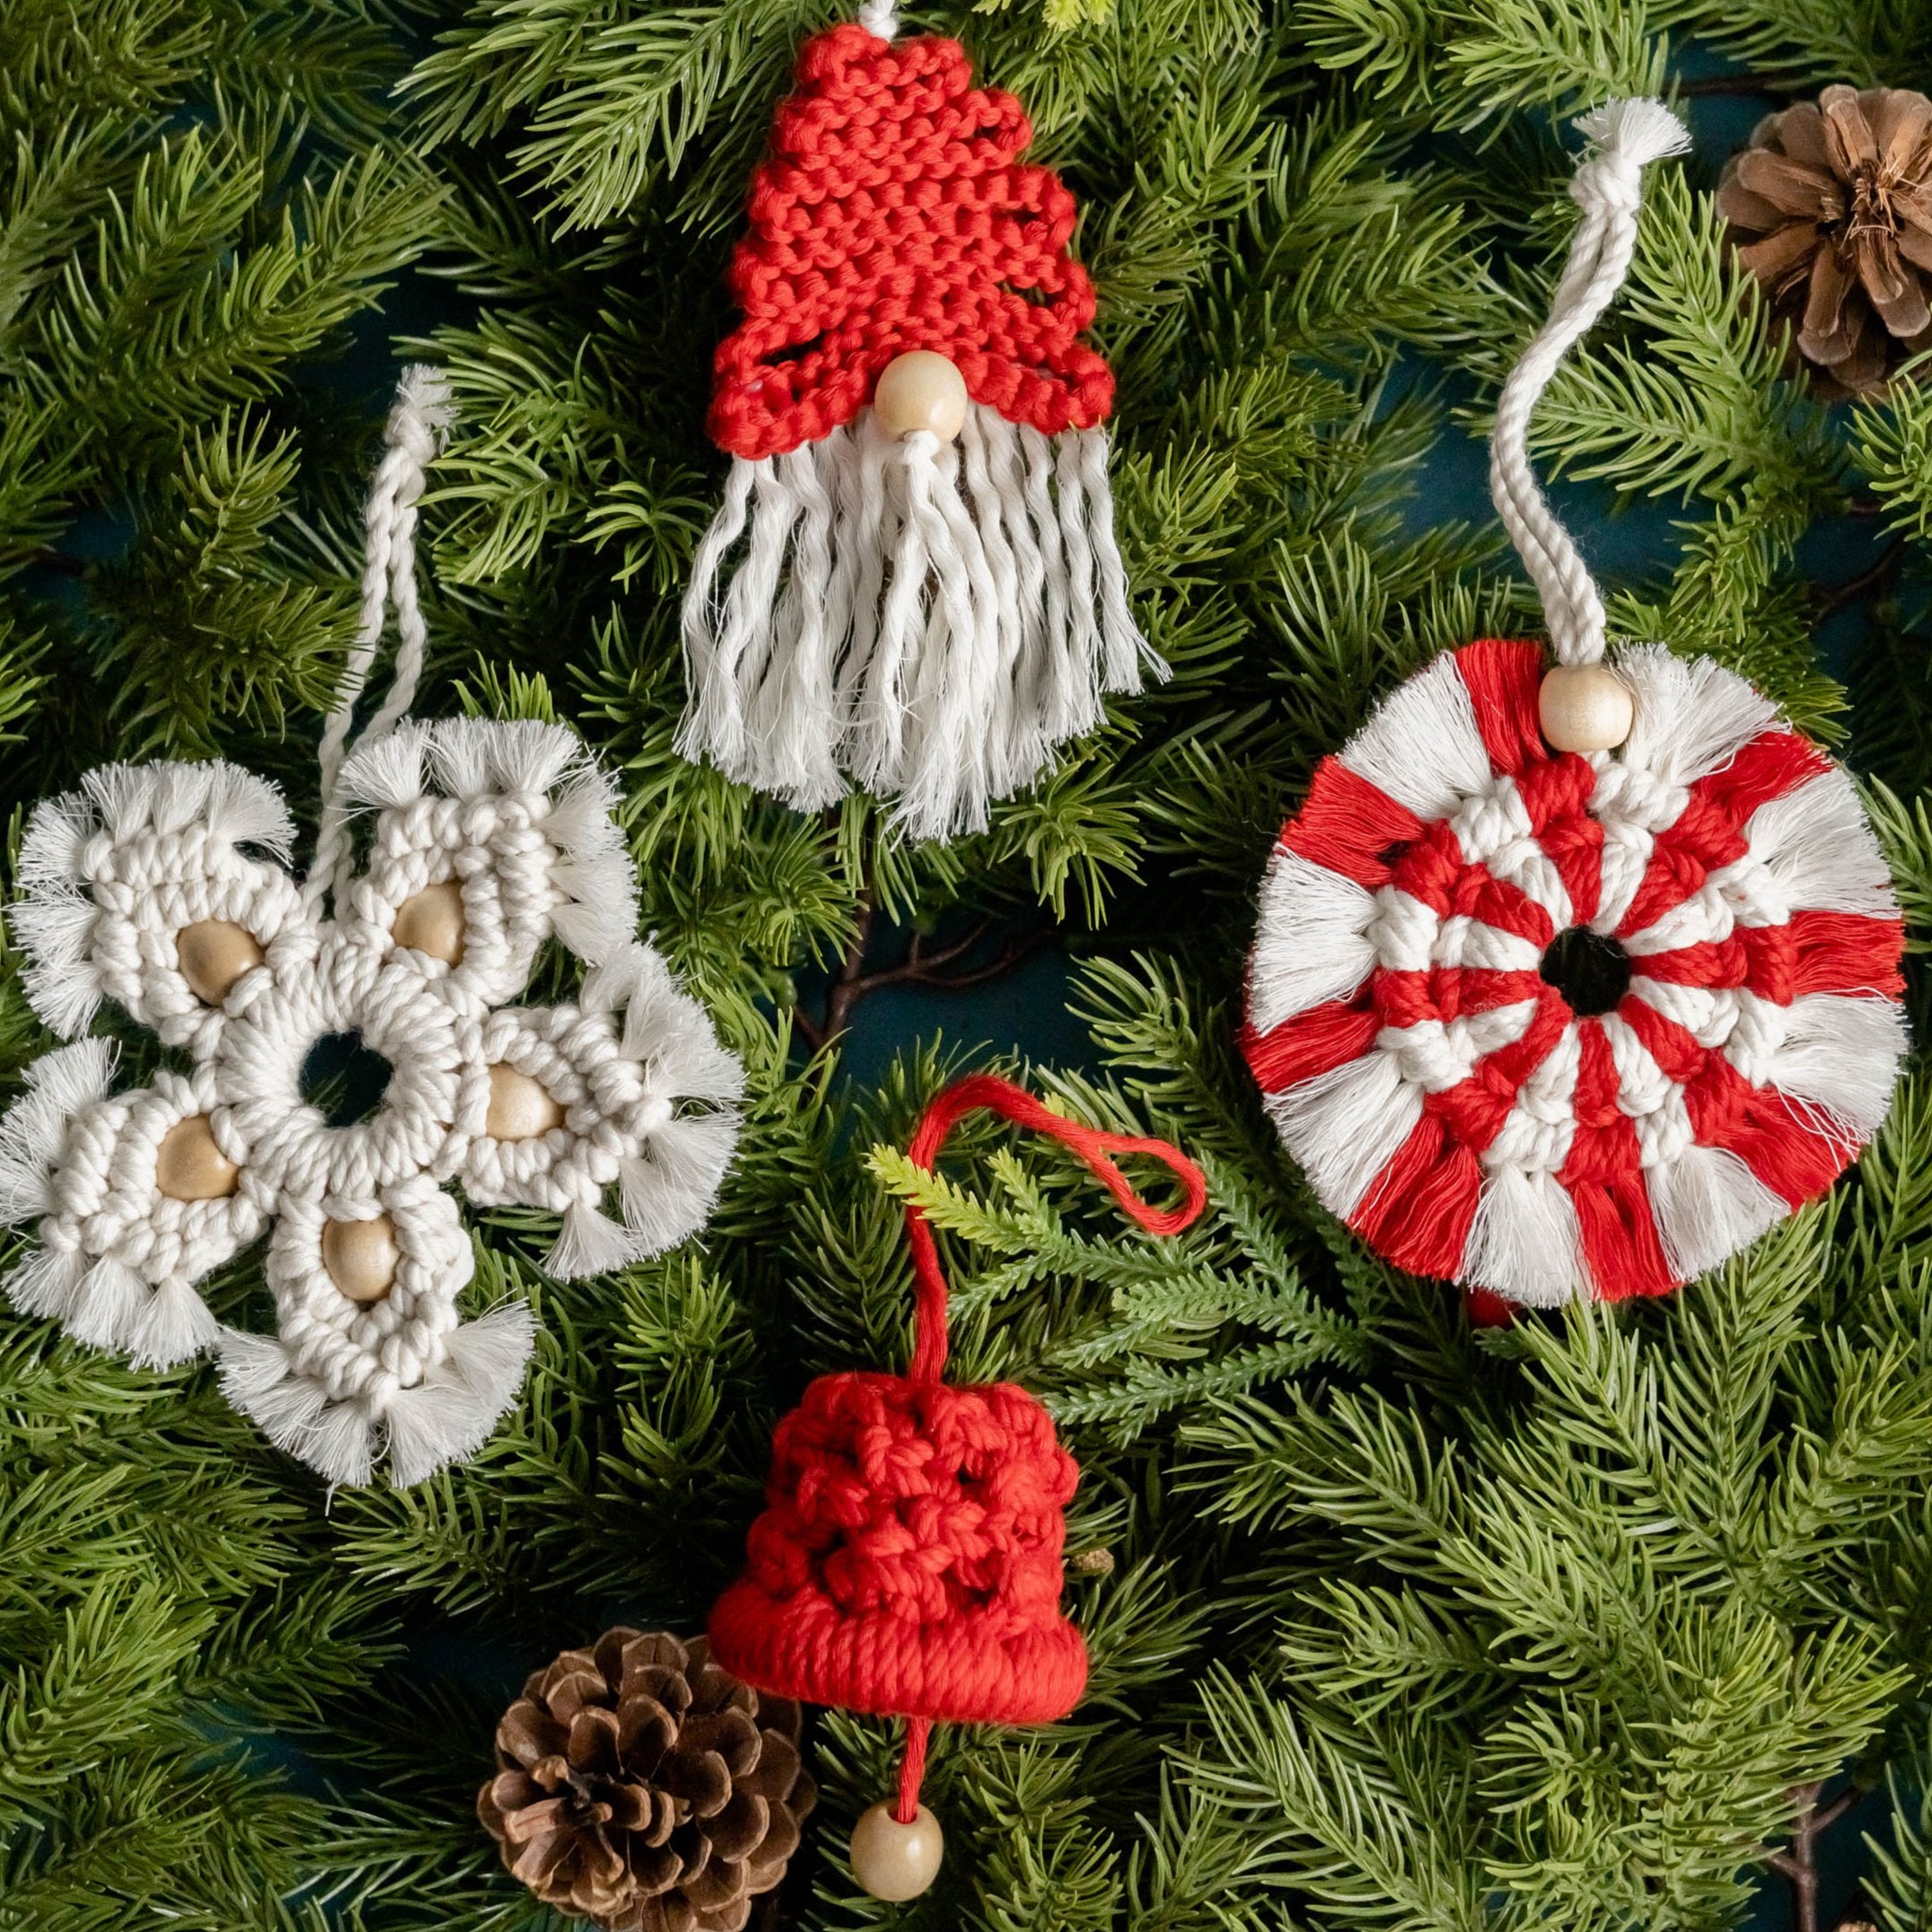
x,y
920,389
1584,707
213,955
190,1167
894,1861
361,1257
432,921
520,1108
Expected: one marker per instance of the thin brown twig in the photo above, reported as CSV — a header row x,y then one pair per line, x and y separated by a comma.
x,y
1799,1865
923,965
1873,574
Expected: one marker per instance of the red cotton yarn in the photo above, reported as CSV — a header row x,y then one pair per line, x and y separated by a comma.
x,y
908,1559
893,213
1474,1110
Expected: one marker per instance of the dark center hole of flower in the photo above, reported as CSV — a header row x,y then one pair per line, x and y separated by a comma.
x,y
343,1078
1589,969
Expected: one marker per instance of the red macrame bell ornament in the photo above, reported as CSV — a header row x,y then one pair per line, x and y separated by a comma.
x,y
908,1562
912,582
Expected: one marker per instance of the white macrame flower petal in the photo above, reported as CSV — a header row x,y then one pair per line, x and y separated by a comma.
x,y
119,1259
112,874
648,1096
517,818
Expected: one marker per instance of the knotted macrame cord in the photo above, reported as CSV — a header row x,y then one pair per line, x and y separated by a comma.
x,y
1626,135
413,438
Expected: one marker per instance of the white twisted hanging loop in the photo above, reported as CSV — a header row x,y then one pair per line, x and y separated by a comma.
x,y
1625,137
412,439
880,17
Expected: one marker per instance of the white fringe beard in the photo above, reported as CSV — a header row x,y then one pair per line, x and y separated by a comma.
x,y
928,620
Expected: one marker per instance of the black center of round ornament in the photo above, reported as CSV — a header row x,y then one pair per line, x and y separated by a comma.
x,y
1589,969
343,1078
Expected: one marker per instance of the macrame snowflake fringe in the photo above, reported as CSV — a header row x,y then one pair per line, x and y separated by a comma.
x,y
517,818
446,1418
927,620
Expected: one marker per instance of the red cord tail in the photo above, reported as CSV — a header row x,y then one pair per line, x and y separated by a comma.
x,y
912,1768
994,1095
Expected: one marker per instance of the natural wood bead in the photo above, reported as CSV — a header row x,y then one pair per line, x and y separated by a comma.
x,y
520,1108
920,391
214,953
432,921
361,1257
190,1167
894,1861
1584,707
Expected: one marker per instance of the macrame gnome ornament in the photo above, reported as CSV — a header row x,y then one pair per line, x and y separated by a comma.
x,y
484,841
913,582
908,1562
1572,978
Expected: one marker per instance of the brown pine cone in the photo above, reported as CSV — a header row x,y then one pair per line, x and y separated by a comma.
x,y
1831,208
646,1789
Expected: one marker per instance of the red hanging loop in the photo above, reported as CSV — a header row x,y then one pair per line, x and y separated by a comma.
x,y
989,1091
945,1110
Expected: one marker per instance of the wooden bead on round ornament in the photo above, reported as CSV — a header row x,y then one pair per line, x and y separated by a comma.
x,y
213,955
894,1861
921,390
361,1257
190,1167
1584,707
432,921
520,1108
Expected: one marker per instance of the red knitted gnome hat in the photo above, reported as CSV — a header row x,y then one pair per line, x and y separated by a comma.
x,y
908,1562
894,214
908,583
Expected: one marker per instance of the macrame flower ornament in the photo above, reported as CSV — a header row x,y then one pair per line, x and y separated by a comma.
x,y
908,1559
160,887
913,581
1573,981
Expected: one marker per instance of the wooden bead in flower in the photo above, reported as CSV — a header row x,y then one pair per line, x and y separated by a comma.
x,y
520,1108
432,921
213,955
361,1257
190,1167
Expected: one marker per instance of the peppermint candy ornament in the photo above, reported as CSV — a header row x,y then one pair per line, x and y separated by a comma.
x,y
912,583
160,887
1575,979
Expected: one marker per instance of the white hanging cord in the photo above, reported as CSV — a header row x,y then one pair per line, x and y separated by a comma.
x,y
1625,137
880,17
412,439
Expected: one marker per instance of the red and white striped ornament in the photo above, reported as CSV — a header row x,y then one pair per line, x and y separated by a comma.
x,y
1551,1021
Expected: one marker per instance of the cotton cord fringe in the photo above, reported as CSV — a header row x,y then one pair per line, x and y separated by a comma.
x,y
927,620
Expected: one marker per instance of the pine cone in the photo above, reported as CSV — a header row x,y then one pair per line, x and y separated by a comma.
x,y
1831,208
646,1789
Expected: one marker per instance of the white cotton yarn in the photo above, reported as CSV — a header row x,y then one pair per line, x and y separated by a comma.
x,y
1625,136
929,620
519,821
